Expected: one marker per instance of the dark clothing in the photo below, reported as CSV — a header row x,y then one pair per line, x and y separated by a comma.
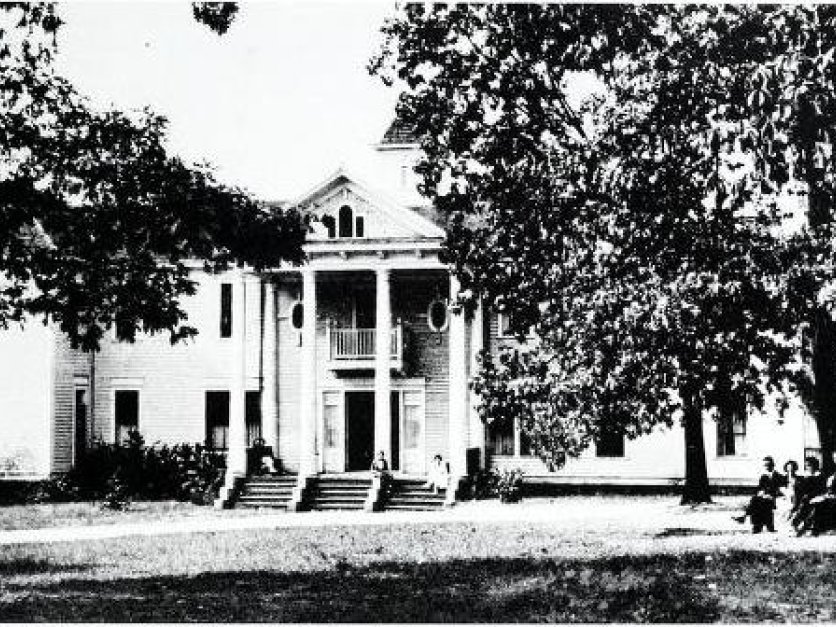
x,y
761,507
809,488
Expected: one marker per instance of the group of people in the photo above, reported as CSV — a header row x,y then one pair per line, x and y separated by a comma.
x,y
437,478
810,498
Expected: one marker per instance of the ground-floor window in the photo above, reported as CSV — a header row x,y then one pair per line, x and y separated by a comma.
x,y
609,443
127,414
217,420
501,438
731,434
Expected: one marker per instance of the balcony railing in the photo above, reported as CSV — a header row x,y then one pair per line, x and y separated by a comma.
x,y
354,347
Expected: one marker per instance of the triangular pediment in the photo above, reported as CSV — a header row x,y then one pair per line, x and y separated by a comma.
x,y
342,199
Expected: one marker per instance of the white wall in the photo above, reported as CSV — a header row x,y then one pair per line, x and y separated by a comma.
x,y
25,400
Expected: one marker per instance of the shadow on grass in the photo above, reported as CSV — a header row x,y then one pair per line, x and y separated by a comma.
x,y
29,566
623,589
683,532
695,587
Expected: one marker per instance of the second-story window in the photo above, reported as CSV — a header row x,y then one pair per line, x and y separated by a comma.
x,y
346,222
226,309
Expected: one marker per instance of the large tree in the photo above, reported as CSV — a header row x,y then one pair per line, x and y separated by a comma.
x,y
99,224
636,229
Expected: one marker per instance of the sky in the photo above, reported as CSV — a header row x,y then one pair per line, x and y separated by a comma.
x,y
275,105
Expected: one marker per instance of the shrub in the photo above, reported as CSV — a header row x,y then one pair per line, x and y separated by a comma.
x,y
119,473
509,485
482,485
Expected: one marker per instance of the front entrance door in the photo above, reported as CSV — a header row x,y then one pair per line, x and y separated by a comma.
x,y
359,418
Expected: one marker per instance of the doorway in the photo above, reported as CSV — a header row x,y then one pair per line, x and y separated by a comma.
x,y
359,414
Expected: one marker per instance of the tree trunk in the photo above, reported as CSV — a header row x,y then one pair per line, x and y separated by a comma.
x,y
824,388
696,488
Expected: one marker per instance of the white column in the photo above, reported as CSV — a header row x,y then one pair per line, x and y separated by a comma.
x,y
269,378
236,461
477,343
382,376
307,405
459,409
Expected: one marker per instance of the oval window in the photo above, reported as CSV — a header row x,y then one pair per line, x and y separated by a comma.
x,y
297,315
437,315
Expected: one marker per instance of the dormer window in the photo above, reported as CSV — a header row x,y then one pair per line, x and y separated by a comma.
x,y
345,225
346,221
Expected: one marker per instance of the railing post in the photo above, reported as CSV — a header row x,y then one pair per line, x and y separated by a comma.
x,y
328,341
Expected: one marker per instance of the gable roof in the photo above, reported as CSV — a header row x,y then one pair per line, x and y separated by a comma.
x,y
395,212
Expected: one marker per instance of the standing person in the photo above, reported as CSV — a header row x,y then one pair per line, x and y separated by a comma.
x,y
439,474
761,507
794,483
380,468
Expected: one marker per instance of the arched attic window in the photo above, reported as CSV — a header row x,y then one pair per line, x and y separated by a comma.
x,y
346,222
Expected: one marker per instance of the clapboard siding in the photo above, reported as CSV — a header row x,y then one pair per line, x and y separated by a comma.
x,y
173,380
68,365
289,374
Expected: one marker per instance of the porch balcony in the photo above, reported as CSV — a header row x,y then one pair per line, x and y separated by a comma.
x,y
355,349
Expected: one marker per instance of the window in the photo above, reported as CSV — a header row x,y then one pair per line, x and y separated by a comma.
x,y
609,443
253,416
359,226
80,423
332,425
501,438
411,420
329,224
731,434
297,315
504,325
437,317
346,221
127,414
217,420
226,309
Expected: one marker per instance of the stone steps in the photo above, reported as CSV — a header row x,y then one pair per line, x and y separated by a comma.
x,y
267,492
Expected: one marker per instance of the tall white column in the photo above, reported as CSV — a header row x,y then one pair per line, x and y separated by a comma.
x,y
237,456
382,376
477,343
269,377
307,405
459,409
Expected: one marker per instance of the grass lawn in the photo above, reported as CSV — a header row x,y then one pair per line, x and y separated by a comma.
x,y
92,513
571,559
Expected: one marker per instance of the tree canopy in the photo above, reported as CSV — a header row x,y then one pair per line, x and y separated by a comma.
x,y
616,177
99,224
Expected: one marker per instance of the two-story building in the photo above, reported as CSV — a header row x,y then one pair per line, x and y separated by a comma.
x,y
355,352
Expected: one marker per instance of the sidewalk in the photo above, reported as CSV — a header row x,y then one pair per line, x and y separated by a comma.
x,y
564,512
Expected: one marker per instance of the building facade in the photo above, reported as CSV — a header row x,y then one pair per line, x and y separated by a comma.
x,y
354,352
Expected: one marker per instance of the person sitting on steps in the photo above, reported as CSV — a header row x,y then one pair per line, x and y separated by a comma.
x,y
439,475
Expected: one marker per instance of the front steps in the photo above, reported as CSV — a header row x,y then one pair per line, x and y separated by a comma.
x,y
270,491
413,495
329,493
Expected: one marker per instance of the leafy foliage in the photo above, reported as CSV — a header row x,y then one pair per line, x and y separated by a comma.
x,y
509,485
616,177
99,225
218,16
119,474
